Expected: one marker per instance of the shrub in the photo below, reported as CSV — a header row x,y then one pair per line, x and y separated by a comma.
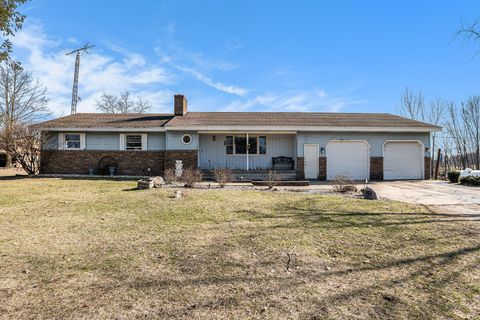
x,y
222,176
453,176
272,178
470,181
170,176
190,177
343,184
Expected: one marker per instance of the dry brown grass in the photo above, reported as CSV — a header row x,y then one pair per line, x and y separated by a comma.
x,y
88,249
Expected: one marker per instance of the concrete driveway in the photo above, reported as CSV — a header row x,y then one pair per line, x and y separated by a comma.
x,y
439,195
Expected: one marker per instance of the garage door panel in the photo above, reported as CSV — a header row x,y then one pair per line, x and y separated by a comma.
x,y
403,160
348,158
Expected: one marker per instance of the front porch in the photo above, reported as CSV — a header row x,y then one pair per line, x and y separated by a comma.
x,y
248,154
253,175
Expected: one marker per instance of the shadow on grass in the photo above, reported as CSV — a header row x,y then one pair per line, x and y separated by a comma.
x,y
304,213
14,177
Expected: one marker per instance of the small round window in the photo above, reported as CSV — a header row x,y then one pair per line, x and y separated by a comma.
x,y
186,139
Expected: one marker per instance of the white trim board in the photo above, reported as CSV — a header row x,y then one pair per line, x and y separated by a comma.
x,y
134,130
252,129
292,129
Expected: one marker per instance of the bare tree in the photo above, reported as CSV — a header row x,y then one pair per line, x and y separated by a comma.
x,y
22,100
412,105
123,104
24,145
435,114
471,31
471,119
456,131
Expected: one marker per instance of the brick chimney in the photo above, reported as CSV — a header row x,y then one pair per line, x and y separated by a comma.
x,y
180,105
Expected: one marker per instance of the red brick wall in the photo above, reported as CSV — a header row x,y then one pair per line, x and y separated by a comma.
x,y
189,158
300,168
376,168
78,161
322,173
427,167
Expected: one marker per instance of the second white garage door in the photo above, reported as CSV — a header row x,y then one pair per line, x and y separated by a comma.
x,y
402,160
347,158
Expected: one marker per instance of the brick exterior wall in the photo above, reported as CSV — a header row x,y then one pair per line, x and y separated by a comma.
x,y
322,172
376,168
189,158
78,162
300,168
427,168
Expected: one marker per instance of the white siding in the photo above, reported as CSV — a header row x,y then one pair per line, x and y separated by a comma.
x,y
156,141
174,140
102,141
212,154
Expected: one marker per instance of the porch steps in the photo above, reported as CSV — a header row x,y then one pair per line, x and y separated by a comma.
x,y
252,175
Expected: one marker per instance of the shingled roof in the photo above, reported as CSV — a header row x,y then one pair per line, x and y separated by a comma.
x,y
212,119
314,119
107,120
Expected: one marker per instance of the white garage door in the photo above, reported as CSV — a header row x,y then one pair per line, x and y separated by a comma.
x,y
347,158
402,160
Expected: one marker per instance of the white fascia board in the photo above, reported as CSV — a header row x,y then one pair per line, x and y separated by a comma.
x,y
300,128
153,129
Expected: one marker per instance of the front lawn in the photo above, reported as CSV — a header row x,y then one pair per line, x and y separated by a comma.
x,y
99,249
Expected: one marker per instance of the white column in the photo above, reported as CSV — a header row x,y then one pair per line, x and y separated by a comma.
x,y
247,151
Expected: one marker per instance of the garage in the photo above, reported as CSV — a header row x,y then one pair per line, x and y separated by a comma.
x,y
403,160
348,158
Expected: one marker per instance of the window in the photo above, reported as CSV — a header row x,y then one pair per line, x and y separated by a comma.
x,y
133,142
72,141
229,144
238,145
186,139
252,145
262,145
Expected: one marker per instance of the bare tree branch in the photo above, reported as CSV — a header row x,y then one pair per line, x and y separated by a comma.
x,y
471,31
124,104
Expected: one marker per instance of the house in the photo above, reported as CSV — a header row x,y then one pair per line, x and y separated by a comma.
x,y
302,145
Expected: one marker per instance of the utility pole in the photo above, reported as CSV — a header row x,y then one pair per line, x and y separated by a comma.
x,y
75,97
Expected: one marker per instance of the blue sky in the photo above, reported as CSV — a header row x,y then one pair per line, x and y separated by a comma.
x,y
347,56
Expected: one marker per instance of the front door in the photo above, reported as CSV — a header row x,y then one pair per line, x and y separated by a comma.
x,y
311,161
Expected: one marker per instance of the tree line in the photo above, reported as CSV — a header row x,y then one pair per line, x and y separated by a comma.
x,y
460,137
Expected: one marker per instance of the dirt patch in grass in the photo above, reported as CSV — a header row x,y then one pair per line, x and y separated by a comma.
x,y
86,249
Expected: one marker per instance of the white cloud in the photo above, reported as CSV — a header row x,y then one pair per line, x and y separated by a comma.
x,y
214,84
299,101
99,72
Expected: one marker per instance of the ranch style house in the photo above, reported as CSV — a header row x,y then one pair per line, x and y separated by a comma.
x,y
298,145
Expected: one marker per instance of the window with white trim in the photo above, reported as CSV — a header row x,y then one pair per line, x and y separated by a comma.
x,y
133,142
72,141
238,145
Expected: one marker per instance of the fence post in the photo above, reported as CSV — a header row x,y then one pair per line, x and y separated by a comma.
x,y
438,162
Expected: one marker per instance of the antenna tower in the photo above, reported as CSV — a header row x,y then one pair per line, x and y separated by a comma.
x,y
75,97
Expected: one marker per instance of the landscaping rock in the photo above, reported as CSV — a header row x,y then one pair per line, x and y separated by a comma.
x,y
144,184
158,182
369,194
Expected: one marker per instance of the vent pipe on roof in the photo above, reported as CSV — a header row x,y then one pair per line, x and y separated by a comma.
x,y
180,105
